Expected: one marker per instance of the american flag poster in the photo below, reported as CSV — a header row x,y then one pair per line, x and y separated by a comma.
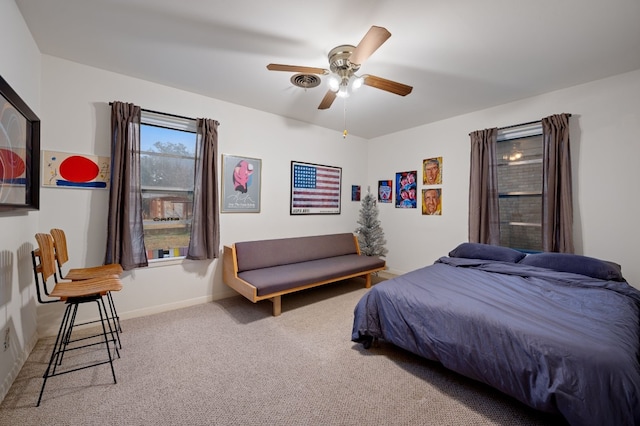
x,y
315,189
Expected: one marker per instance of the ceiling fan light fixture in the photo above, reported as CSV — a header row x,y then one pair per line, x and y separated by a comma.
x,y
334,82
357,82
343,92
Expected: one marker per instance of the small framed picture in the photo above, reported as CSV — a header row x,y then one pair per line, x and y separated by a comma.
x,y
406,190
241,184
432,171
385,191
432,201
355,192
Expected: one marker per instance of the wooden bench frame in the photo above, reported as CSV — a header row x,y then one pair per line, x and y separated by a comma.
x,y
230,278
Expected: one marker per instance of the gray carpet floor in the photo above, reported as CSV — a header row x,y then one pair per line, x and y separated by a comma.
x,y
230,362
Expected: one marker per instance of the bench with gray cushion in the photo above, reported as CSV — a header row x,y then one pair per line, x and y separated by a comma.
x,y
267,269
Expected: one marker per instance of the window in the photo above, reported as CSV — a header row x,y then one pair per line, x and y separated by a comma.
x,y
167,168
519,152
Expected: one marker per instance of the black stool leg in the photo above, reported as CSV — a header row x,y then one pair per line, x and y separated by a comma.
x,y
115,336
114,312
68,328
116,321
104,332
54,352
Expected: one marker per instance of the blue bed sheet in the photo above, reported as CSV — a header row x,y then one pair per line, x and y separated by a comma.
x,y
559,342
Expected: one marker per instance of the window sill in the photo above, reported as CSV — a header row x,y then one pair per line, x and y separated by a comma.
x,y
168,261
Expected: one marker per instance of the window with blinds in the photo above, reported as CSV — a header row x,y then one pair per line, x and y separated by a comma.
x,y
519,152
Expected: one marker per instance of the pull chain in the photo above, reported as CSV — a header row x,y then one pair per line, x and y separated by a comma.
x,y
344,133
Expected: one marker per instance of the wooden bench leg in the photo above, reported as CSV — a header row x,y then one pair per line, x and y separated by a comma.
x,y
368,283
277,305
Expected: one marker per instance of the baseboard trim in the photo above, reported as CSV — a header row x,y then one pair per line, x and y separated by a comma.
x,y
390,273
151,310
176,305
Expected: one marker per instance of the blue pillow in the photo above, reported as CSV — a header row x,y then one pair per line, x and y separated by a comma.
x,y
486,252
577,264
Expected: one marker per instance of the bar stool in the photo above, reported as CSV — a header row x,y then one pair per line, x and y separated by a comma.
x,y
72,293
76,274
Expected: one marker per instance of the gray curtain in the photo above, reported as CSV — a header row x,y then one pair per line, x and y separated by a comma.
x,y
205,225
484,214
557,201
125,234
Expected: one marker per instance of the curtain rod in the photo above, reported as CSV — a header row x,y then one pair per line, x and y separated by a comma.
x,y
523,124
166,113
519,125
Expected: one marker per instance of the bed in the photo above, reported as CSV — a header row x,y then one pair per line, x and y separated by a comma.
x,y
559,332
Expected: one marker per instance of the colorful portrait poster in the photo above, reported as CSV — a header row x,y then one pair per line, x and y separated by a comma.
x,y
432,201
241,184
432,171
385,191
406,190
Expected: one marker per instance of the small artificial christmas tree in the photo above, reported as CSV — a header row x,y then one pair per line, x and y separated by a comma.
x,y
370,234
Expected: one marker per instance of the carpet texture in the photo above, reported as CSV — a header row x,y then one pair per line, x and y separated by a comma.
x,y
230,362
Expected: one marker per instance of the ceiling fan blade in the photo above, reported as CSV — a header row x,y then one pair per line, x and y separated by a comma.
x,y
295,68
371,41
388,85
327,100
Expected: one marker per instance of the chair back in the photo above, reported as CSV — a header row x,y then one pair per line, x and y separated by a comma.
x,y
60,248
43,264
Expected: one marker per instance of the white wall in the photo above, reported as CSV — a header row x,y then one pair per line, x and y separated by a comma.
x,y
20,67
76,118
605,144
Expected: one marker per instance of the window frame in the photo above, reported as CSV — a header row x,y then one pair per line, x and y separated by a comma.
x,y
170,122
510,134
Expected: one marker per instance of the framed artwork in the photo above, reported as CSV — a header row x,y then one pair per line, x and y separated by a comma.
x,y
315,189
64,170
432,201
19,152
432,171
385,191
355,192
406,189
241,181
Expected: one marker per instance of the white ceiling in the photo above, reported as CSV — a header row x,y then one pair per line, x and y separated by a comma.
x,y
459,55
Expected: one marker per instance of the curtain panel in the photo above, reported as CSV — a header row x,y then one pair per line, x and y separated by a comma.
x,y
205,226
125,234
557,198
484,213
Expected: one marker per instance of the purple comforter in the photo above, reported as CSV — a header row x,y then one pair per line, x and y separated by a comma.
x,y
558,342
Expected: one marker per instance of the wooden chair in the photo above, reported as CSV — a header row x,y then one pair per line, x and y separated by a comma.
x,y
77,274
72,293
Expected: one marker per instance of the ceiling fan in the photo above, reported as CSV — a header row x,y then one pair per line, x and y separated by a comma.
x,y
344,61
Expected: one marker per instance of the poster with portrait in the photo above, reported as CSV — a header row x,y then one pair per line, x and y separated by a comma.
x,y
432,171
406,189
432,201
385,191
241,184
